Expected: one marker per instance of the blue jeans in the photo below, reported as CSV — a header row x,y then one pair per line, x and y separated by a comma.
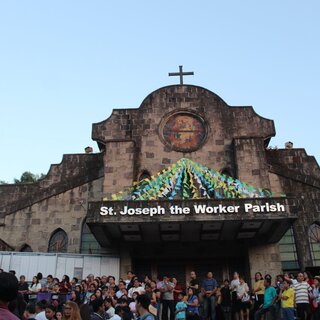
x,y
270,310
209,303
288,313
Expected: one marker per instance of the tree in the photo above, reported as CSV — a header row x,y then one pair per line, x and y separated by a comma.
x,y
28,177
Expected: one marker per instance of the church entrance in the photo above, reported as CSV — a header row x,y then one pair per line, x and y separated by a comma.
x,y
222,268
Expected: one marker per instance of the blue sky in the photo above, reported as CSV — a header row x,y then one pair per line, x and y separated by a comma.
x,y
66,64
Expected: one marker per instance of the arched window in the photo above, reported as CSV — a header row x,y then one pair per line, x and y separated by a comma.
x,y
144,175
58,241
89,244
4,246
314,240
26,248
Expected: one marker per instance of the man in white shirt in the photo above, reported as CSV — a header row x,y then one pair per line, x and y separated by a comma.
x,y
301,293
136,288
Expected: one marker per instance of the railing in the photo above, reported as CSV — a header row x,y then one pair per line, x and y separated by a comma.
x,y
48,296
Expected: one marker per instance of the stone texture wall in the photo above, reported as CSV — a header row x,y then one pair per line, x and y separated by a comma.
x,y
35,224
73,171
264,259
250,161
236,141
131,142
297,175
118,166
142,128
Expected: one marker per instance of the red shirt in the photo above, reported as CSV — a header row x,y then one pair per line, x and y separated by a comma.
x,y
178,288
63,288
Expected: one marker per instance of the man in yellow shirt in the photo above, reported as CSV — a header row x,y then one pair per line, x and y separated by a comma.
x,y
287,301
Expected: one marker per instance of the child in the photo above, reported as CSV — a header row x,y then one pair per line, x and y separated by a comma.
x,y
181,307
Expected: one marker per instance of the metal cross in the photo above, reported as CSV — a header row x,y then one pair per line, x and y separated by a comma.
x,y
180,74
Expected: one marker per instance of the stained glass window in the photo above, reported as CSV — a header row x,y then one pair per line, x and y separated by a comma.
x,y
184,132
314,239
58,241
288,252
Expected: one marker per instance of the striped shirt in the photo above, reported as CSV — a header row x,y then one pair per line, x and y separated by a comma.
x,y
301,290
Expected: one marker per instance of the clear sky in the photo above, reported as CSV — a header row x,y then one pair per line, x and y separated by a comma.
x,y
66,64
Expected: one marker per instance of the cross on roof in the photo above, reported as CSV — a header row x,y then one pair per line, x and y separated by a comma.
x,y
180,74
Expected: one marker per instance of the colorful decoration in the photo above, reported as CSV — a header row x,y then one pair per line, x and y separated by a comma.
x,y
188,180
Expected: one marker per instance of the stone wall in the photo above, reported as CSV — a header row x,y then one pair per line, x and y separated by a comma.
x,y
264,259
35,224
250,160
296,174
73,171
135,135
118,166
132,142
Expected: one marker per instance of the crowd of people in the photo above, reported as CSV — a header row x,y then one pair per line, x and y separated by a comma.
x,y
95,298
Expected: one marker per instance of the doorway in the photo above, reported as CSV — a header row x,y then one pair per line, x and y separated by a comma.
x,y
221,267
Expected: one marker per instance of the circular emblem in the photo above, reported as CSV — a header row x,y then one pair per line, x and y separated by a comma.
x,y
184,131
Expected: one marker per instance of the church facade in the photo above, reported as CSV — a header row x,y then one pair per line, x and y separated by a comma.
x,y
184,182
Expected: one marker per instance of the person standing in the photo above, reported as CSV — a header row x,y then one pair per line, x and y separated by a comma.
x,y
208,288
302,290
181,308
34,288
194,283
193,305
287,301
235,309
258,290
270,298
244,298
166,288
316,298
177,289
226,300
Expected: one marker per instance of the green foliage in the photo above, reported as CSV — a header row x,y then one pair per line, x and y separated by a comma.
x,y
28,177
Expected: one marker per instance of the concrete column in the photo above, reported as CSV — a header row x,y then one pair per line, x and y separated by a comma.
x,y
264,259
125,263
154,270
189,268
118,167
